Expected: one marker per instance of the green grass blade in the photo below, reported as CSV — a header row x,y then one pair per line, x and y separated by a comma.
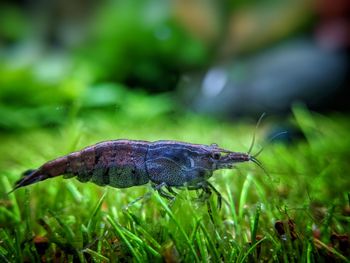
x,y
94,216
255,223
27,215
141,243
99,242
309,253
120,233
210,242
244,194
8,242
97,256
149,238
12,197
195,229
331,250
201,246
19,251
9,214
69,234
171,215
78,197
3,254
233,211
250,250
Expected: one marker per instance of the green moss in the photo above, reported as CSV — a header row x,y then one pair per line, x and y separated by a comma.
x,y
308,186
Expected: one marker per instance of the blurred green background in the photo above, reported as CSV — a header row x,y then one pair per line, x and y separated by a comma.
x,y
61,57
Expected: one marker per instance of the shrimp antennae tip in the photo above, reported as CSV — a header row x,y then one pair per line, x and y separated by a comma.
x,y
269,141
258,163
256,127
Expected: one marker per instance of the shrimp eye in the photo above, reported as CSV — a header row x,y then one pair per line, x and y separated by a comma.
x,y
216,156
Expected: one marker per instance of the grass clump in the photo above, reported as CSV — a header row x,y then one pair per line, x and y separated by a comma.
x,y
299,214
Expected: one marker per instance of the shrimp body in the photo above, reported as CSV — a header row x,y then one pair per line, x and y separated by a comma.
x,y
127,163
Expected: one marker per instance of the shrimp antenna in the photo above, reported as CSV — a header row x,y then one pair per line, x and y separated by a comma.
x,y
268,142
256,128
258,163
